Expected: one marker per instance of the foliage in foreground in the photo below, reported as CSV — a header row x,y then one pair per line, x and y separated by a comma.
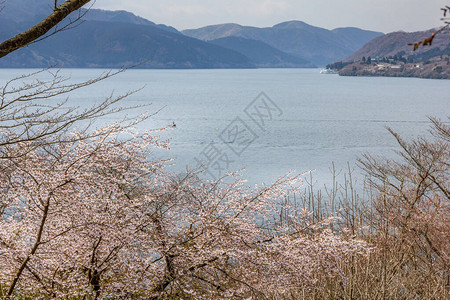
x,y
95,218
403,214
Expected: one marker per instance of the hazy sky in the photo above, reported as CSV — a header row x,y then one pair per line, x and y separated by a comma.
x,y
379,15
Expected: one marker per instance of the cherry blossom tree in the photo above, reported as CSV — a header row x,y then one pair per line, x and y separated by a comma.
x,y
61,201
97,218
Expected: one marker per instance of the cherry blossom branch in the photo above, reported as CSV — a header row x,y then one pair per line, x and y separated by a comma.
x,y
32,251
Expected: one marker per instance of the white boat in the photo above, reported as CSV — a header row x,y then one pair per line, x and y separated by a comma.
x,y
327,71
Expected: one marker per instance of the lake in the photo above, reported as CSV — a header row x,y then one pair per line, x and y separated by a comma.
x,y
303,120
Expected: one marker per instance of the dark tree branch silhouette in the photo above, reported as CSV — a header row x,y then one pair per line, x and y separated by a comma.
x,y
25,38
429,40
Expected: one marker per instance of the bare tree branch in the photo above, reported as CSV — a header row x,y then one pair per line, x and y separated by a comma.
x,y
30,114
429,40
2,2
42,28
71,24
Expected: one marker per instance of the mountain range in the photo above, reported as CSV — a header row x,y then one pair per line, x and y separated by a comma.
x,y
109,40
113,39
317,45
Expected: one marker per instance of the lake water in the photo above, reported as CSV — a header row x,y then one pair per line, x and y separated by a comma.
x,y
310,120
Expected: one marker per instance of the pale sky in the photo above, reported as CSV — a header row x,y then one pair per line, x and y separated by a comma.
x,y
378,15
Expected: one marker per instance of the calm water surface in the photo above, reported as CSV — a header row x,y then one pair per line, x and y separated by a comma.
x,y
325,118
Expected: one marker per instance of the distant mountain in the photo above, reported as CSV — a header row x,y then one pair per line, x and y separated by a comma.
x,y
262,54
321,46
355,38
27,12
120,16
24,11
213,32
112,45
111,40
396,43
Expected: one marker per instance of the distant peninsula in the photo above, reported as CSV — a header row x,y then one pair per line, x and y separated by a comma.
x,y
391,56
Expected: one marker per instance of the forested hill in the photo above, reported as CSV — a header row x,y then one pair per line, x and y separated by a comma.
x,y
396,43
